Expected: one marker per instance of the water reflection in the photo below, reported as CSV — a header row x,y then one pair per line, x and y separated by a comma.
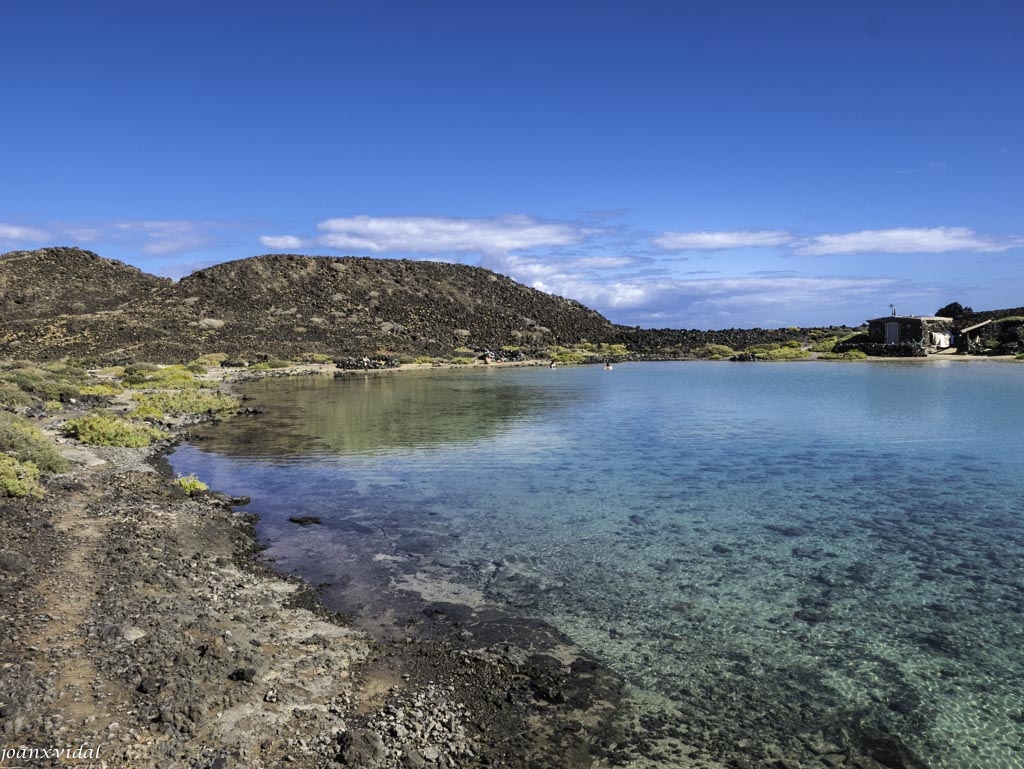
x,y
373,414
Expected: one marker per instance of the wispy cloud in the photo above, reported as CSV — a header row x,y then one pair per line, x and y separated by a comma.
x,y
283,242
720,302
15,233
164,238
900,240
436,235
905,240
718,241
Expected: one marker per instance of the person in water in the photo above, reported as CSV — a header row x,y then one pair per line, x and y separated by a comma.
x,y
607,365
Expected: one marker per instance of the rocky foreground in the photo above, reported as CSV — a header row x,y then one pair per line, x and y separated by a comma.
x,y
137,627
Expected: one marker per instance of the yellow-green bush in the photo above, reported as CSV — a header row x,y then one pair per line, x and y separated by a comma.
x,y
714,351
154,377
826,345
12,395
568,355
177,402
104,389
263,365
27,443
313,357
211,359
784,353
101,429
848,355
43,384
19,479
191,484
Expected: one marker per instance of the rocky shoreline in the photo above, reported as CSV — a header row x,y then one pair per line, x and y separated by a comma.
x,y
138,625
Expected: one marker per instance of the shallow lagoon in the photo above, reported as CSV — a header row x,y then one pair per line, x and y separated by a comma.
x,y
767,552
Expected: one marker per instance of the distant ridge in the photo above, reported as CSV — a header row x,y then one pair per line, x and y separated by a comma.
x,y
68,302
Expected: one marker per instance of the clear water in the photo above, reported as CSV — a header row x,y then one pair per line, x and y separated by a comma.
x,y
770,549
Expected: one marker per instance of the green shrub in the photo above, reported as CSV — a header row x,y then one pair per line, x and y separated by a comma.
x,y
42,384
191,484
761,349
153,377
785,353
196,368
825,345
66,370
568,355
27,443
14,396
210,359
714,352
848,355
313,357
19,479
99,429
177,402
104,389
618,350
857,337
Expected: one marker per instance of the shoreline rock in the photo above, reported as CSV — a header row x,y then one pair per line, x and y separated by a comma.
x,y
139,620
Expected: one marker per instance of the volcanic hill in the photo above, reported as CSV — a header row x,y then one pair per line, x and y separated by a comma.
x,y
57,302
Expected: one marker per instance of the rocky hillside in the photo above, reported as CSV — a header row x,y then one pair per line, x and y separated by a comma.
x,y
54,281
68,302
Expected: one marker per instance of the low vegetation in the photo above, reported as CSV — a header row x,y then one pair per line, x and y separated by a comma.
x,y
272,363
848,355
101,429
23,383
148,375
191,484
313,357
164,403
25,453
714,352
25,442
19,479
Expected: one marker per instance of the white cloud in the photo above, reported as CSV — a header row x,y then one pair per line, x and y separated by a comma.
x,y
15,232
904,240
283,242
899,240
602,262
425,234
164,238
717,241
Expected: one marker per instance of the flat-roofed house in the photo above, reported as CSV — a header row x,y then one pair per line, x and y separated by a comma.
x,y
909,334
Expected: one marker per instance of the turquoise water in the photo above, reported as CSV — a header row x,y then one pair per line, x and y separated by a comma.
x,y
769,553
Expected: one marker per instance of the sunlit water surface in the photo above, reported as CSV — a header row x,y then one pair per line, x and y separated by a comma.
x,y
836,541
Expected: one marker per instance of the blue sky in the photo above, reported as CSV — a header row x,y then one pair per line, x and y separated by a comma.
x,y
672,164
